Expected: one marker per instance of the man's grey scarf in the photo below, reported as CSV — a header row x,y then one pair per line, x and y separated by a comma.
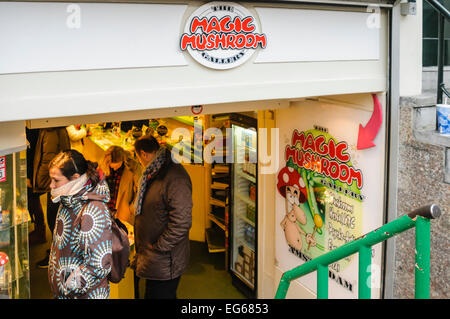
x,y
161,158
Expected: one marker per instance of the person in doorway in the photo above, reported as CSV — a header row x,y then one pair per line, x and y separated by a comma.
x,y
76,134
81,253
122,175
50,142
163,218
37,236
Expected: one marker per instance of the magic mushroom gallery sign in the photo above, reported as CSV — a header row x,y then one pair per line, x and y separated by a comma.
x,y
222,35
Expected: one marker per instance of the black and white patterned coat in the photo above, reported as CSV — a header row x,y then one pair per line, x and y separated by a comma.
x,y
81,256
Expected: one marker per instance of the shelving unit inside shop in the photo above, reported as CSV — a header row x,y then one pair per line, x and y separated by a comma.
x,y
217,234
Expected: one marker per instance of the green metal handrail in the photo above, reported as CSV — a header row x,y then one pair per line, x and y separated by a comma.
x,y
420,218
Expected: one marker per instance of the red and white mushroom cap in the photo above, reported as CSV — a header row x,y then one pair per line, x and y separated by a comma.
x,y
3,258
291,177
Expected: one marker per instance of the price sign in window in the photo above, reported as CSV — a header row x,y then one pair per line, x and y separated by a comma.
x,y
2,169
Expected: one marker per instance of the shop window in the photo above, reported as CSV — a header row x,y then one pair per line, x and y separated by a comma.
x,y
430,35
14,219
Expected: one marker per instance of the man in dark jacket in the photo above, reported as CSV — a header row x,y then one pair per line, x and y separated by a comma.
x,y
163,219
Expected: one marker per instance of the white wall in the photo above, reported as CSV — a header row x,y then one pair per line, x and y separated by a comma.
x,y
411,53
40,37
72,93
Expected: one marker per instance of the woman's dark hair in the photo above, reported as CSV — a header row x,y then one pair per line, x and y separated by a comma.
x,y
73,162
146,143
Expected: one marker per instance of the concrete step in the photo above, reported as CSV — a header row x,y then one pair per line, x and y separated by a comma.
x,y
424,110
429,78
424,127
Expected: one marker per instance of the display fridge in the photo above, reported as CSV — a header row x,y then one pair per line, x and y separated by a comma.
x,y
243,218
238,176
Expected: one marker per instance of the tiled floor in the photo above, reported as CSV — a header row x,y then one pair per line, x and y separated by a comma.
x,y
39,287
206,277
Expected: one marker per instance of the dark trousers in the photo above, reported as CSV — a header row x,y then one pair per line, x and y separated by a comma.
x,y
136,285
35,209
161,289
52,211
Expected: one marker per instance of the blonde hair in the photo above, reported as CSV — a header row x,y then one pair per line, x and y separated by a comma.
x,y
115,154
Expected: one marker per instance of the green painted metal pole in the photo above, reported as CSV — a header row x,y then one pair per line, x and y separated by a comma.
x,y
365,262
420,218
384,232
282,288
322,282
422,267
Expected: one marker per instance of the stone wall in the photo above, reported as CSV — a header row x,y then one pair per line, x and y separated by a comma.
x,y
423,176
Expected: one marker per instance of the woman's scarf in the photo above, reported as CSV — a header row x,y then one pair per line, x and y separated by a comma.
x,y
161,158
69,189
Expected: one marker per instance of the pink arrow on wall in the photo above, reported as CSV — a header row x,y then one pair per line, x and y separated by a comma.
x,y
367,134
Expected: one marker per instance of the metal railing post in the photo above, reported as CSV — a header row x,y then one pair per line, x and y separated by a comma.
x,y
364,272
422,266
441,53
282,288
443,15
322,282
419,218
439,8
422,218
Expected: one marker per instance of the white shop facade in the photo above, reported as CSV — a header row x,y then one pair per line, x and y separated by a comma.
x,y
318,74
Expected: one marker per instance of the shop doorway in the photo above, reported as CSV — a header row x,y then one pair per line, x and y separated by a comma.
x,y
223,258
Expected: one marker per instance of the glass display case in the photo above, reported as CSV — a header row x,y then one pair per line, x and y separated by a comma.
x,y
244,206
14,218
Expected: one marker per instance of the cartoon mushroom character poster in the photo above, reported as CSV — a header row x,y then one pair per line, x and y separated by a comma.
x,y
321,188
292,187
327,191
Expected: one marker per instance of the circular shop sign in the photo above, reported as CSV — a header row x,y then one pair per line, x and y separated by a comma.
x,y
222,35
196,109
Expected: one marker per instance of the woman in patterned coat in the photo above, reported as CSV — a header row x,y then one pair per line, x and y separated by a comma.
x,y
81,256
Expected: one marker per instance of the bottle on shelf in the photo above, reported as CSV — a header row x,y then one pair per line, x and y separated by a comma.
x,y
249,233
5,219
252,191
251,213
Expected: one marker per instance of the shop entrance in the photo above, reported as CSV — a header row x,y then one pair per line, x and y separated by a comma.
x,y
346,51
219,152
